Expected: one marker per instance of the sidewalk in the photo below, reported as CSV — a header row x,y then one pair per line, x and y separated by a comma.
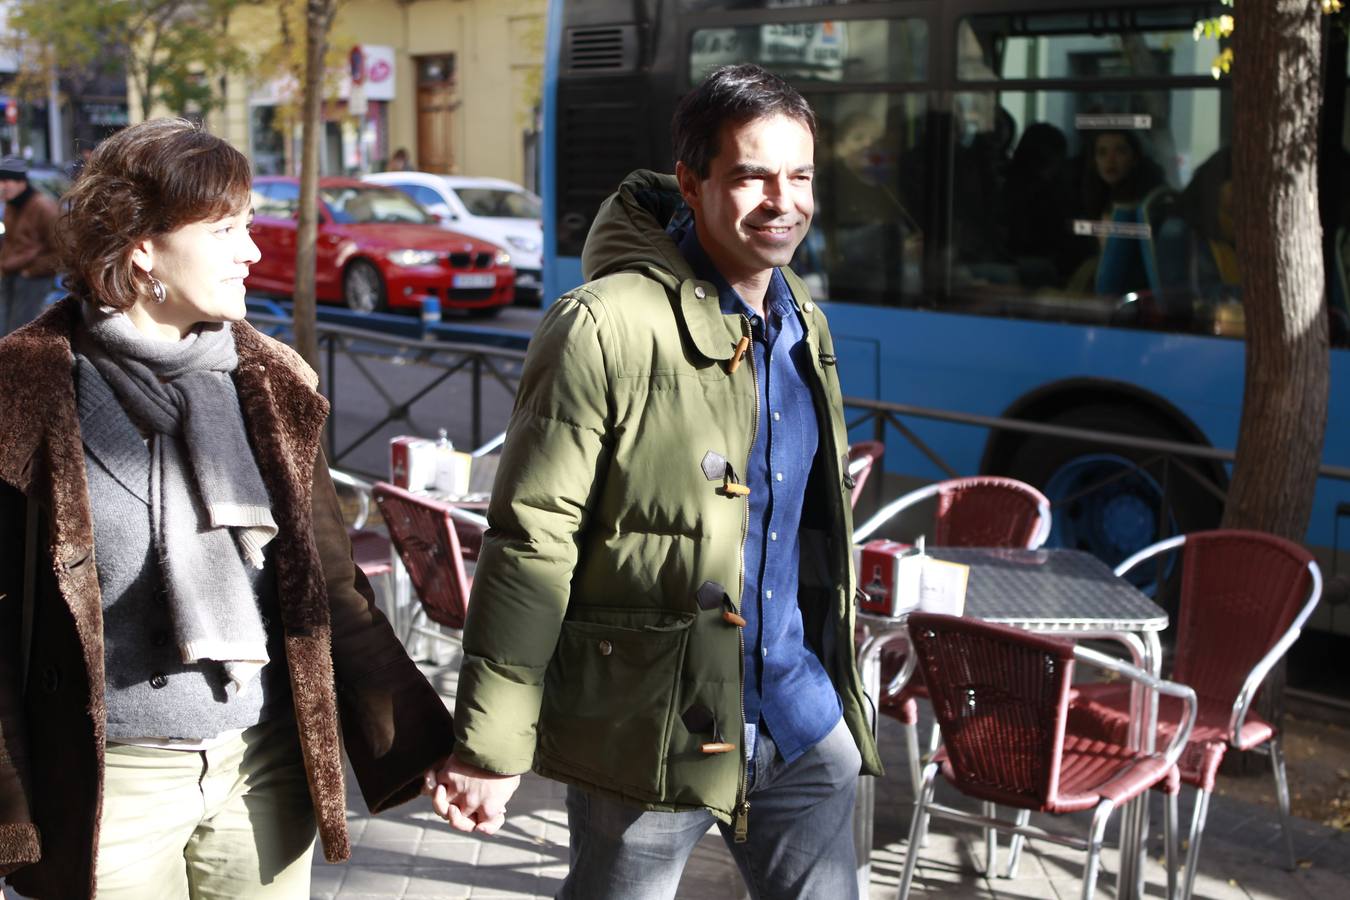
x,y
411,853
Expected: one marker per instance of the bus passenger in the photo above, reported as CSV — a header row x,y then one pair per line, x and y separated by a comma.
x,y
181,623
1036,220
1116,176
661,614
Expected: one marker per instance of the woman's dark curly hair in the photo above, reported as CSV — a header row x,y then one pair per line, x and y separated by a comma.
x,y
142,182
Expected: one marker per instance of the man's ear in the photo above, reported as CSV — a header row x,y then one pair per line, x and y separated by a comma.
x,y
689,184
143,256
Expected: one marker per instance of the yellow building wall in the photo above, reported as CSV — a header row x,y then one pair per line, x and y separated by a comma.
x,y
499,53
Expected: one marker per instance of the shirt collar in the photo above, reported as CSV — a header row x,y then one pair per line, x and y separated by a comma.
x,y
778,297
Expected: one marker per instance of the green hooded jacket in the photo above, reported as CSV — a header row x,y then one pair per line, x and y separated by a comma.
x,y
596,649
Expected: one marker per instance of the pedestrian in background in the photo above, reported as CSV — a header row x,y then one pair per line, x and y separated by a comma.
x,y
181,624
27,257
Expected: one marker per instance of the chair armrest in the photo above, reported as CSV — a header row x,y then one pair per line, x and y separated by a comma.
x,y
1149,552
492,444
1257,676
883,515
471,518
1171,688
361,487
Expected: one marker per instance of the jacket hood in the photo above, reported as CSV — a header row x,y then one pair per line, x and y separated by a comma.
x,y
629,231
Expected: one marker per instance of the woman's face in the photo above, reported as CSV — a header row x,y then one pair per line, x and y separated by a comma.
x,y
202,266
1114,157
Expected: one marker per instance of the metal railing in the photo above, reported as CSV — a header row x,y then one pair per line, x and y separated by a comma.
x,y
477,364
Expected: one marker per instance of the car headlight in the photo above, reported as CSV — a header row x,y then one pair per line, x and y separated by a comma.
x,y
502,258
412,257
528,245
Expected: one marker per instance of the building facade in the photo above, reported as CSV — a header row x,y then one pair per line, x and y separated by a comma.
x,y
453,83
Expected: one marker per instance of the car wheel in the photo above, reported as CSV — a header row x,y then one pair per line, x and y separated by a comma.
x,y
1111,500
363,288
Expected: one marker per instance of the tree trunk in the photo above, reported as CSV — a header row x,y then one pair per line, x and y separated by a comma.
x,y
318,21
1277,98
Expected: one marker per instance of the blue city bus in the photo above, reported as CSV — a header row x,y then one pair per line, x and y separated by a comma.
x,y
1023,210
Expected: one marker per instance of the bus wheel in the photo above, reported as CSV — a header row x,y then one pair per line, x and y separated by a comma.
x,y
1110,500
363,288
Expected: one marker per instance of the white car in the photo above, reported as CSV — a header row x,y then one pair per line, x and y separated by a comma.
x,y
491,209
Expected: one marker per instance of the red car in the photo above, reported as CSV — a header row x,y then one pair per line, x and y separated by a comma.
x,y
378,250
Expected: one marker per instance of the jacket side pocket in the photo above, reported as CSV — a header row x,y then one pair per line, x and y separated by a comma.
x,y
609,702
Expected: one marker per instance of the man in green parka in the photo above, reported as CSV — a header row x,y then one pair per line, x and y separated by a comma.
x,y
662,612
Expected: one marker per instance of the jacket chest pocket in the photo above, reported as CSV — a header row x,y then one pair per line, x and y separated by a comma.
x,y
609,702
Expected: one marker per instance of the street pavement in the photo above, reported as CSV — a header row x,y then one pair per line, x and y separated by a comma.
x,y
410,853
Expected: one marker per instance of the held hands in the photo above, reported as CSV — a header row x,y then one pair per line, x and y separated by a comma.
x,y
469,798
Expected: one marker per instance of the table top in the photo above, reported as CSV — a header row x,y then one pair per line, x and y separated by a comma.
x,y
1050,589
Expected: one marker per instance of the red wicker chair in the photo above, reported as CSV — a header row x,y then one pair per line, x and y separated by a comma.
x,y
1001,696
1245,597
371,550
862,456
433,540
984,511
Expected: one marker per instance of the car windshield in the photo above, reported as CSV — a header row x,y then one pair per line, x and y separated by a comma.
x,y
353,205
501,203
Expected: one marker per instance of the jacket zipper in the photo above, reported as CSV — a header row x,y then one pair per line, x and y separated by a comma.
x,y
741,820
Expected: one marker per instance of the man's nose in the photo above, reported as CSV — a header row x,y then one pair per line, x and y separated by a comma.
x,y
776,191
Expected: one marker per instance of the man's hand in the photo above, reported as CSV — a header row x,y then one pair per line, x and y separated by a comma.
x,y
470,798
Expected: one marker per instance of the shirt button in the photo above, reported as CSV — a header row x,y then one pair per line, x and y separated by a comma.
x,y
768,595
158,680
776,415
699,292
764,652
778,476
773,535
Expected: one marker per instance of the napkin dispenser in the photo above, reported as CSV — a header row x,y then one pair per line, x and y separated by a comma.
x,y
898,578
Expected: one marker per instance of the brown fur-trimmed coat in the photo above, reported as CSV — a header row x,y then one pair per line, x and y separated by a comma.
x,y
347,668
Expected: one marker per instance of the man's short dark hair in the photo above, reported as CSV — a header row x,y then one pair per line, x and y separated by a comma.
x,y
735,94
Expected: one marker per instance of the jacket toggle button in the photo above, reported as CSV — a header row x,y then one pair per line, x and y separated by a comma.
x,y
738,354
699,292
733,619
605,648
717,747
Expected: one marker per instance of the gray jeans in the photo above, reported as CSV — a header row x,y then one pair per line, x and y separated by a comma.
x,y
21,299
800,842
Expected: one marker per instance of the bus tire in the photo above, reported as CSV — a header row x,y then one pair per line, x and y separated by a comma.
x,y
1112,518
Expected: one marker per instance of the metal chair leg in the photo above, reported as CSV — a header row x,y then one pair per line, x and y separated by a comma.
x,y
1099,817
1282,793
1170,843
918,828
1015,844
934,739
990,811
915,760
1193,851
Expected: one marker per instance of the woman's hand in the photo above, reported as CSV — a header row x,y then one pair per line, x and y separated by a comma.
x,y
470,798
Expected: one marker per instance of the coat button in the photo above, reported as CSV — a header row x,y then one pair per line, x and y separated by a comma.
x,y
51,679
808,306
158,680
605,647
699,292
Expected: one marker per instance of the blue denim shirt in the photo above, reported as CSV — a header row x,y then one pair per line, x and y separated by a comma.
x,y
787,689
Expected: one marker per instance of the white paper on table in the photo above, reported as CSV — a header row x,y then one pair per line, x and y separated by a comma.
x,y
941,586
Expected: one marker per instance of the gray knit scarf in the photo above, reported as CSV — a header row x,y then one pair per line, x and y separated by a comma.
x,y
209,510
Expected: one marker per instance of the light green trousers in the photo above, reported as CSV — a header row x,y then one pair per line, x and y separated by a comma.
x,y
231,822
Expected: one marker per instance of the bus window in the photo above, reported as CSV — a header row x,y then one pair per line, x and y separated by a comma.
x,y
1125,43
859,51
1097,202
865,244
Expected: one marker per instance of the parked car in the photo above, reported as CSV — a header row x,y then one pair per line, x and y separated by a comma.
x,y
492,209
377,250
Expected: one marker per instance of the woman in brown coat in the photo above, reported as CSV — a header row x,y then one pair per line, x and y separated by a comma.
x,y
182,630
